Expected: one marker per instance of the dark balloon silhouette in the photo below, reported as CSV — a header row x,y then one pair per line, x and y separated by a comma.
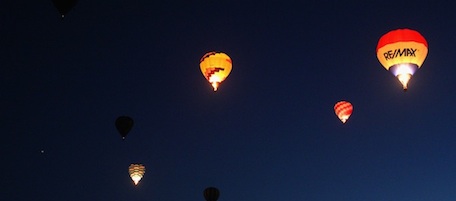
x,y
124,125
64,6
211,194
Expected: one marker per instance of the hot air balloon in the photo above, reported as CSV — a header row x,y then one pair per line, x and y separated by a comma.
x,y
64,6
402,52
136,172
343,110
215,66
124,125
211,194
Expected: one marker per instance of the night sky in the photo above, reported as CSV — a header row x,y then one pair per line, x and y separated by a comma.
x,y
268,134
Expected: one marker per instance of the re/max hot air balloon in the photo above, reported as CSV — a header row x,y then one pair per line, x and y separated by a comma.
x,y
343,110
215,66
402,52
211,194
64,6
124,125
137,172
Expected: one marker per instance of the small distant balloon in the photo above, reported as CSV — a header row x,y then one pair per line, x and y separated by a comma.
x,y
64,6
211,194
343,110
137,172
215,66
124,124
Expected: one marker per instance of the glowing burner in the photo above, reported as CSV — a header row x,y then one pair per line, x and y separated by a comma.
x,y
404,73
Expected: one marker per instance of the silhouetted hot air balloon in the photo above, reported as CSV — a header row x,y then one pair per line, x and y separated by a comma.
x,y
137,172
343,110
215,66
64,6
402,52
124,125
211,194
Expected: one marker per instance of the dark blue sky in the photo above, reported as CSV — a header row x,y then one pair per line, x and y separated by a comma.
x,y
269,133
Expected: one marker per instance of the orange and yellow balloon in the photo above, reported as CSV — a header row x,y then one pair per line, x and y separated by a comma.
x,y
402,52
343,110
136,171
216,66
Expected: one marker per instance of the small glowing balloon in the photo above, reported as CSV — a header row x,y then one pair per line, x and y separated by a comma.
x,y
211,194
402,52
343,110
136,172
216,66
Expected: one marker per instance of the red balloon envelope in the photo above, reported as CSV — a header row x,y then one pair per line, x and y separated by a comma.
x,y
343,110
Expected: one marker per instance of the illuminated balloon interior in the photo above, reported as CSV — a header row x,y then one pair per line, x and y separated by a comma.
x,y
136,178
404,73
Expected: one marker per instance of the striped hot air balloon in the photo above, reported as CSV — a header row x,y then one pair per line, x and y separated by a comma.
x,y
343,110
215,66
402,52
136,171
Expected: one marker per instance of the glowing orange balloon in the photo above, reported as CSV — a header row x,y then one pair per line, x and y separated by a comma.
x,y
402,52
343,110
215,66
136,171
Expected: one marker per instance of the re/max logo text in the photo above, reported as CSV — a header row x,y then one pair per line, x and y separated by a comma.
x,y
406,52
